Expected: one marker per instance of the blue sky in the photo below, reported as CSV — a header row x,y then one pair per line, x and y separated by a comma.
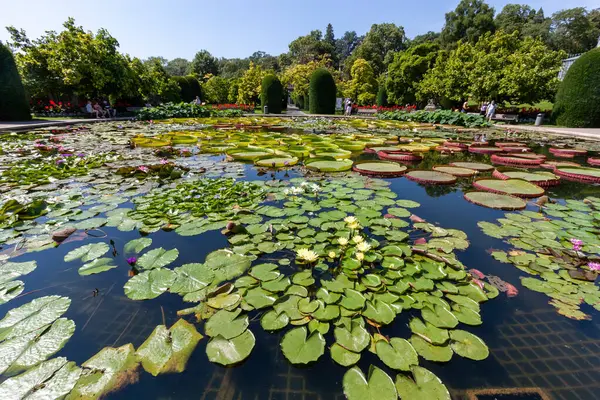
x,y
233,28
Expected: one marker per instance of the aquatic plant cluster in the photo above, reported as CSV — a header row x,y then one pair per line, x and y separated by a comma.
x,y
328,258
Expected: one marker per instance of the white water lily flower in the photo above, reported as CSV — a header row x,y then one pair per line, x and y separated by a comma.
x,y
350,219
315,188
304,184
307,255
286,191
297,190
358,239
342,241
360,256
363,246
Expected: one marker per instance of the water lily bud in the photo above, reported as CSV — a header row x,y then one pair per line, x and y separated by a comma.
x,y
230,225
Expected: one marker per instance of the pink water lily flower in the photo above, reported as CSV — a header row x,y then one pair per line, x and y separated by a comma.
x,y
577,244
594,266
143,168
164,161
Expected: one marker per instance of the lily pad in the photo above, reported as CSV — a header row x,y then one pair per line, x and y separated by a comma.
x,y
32,316
88,252
157,258
149,284
355,340
430,351
343,356
467,345
273,321
424,385
227,324
378,386
328,165
301,348
137,245
397,354
97,266
495,200
515,187
230,351
431,177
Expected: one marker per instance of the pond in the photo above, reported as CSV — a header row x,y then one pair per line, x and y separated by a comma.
x,y
244,259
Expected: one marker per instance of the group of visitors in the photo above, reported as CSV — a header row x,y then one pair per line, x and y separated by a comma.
x,y
100,110
488,110
348,107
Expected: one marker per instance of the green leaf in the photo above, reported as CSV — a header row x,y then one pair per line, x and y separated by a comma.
x,y
32,316
260,298
149,284
397,354
379,385
227,265
227,324
274,321
265,272
300,348
467,345
107,371
157,258
228,352
429,351
352,300
355,340
13,270
379,312
424,386
51,379
191,277
429,332
440,317
343,356
25,351
137,245
168,350
97,266
88,252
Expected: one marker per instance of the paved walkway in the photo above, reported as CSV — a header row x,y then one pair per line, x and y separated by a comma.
x,y
584,133
40,123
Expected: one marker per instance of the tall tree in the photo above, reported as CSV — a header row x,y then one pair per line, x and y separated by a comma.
x,y
204,63
345,45
216,90
574,30
363,86
233,67
429,37
470,20
329,36
266,61
14,104
156,59
379,46
525,20
178,67
309,48
249,86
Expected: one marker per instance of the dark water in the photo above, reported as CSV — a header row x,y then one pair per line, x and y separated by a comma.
x,y
531,345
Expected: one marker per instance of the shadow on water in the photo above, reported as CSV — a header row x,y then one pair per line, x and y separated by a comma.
x,y
531,345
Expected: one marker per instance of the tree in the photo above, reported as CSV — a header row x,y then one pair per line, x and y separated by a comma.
x,y
178,67
271,94
406,72
216,90
322,92
329,36
429,37
204,63
577,102
152,83
249,87
345,45
363,86
309,48
154,59
299,75
234,86
14,105
379,45
574,30
470,20
266,61
233,67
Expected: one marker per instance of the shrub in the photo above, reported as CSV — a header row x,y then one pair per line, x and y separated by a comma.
x,y
382,98
189,87
284,99
271,94
436,117
195,87
185,110
14,105
577,102
322,92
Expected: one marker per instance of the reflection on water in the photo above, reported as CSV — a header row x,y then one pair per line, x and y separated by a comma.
x,y
532,347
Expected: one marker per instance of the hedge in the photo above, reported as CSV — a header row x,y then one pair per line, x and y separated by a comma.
x,y
382,98
271,94
322,92
14,105
577,102
189,86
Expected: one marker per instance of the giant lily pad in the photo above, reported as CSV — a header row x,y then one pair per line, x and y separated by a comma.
x,y
301,348
379,168
515,187
168,350
431,177
424,385
495,200
473,165
328,165
378,386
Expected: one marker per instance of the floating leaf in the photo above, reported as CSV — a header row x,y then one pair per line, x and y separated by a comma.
x,y
191,277
343,356
137,245
379,312
88,252
429,351
13,270
379,385
168,350
273,321
424,386
397,354
440,317
149,284
467,345
228,352
32,316
227,265
97,266
157,258
355,340
301,348
429,332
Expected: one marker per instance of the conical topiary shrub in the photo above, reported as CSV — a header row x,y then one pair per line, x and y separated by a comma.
x,y
271,94
322,92
14,105
578,99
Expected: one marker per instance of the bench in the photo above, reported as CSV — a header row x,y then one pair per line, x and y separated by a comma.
x,y
366,111
506,118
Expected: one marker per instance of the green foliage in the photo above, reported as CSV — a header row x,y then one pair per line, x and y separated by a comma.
x,y
379,46
407,70
470,20
183,110
525,20
178,67
322,92
299,75
216,90
249,87
575,30
271,94
578,98
437,117
189,87
363,86
382,96
13,100
310,47
203,64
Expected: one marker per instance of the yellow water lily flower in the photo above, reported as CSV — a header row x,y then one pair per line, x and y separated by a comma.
x,y
350,219
342,241
358,239
360,256
331,254
307,255
363,246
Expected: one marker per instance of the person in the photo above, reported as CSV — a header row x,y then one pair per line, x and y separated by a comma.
x,y
197,101
89,109
465,107
148,104
484,107
348,107
491,111
98,110
112,112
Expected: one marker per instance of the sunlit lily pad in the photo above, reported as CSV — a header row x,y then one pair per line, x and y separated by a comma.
x,y
97,266
397,354
467,345
299,347
157,258
424,385
378,385
229,352
88,252
496,200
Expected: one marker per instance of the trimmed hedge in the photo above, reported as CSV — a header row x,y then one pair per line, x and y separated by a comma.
x,y
382,97
577,102
322,92
14,105
189,86
271,94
